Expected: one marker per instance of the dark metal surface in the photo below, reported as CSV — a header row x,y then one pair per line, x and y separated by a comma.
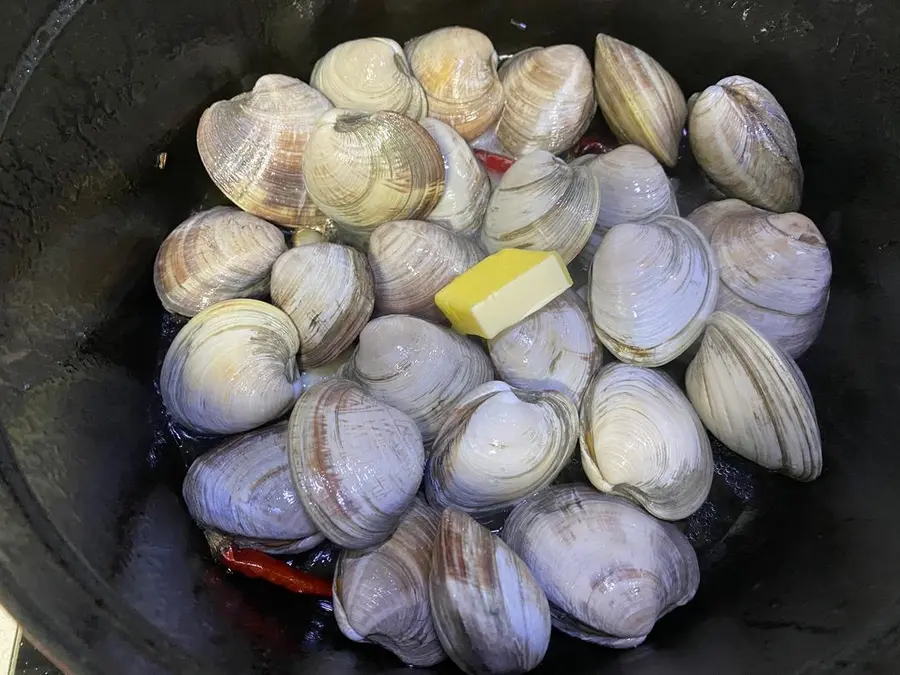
x,y
97,556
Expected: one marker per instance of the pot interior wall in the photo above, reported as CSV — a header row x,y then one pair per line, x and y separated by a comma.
x,y
97,554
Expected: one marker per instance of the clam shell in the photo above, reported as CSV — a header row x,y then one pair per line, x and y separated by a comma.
x,y
215,255
355,461
753,398
231,368
303,236
554,348
411,260
744,142
457,68
640,101
327,291
253,145
609,570
652,288
381,594
419,368
775,271
542,204
370,74
499,445
549,99
641,439
243,488
489,612
467,187
364,169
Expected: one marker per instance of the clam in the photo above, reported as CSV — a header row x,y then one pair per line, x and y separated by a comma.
x,y
609,570
467,187
744,142
652,288
641,439
634,188
364,169
457,68
775,270
232,368
381,594
304,235
327,291
370,74
253,145
215,255
243,488
554,348
542,204
419,368
640,101
499,445
411,260
753,398
549,99
489,613
355,461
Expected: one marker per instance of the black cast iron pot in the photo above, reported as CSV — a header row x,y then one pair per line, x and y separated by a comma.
x,y
98,558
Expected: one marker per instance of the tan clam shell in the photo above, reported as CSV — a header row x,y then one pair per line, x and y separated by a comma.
x,y
215,255
744,142
554,348
411,260
775,270
640,101
641,439
457,68
549,99
381,594
253,145
489,613
232,368
356,462
364,169
753,398
499,445
369,74
577,541
327,291
467,187
419,368
542,204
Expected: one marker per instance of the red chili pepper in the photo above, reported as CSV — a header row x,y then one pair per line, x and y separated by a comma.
x,y
494,162
592,144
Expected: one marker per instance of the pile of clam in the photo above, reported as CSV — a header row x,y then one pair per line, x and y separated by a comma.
x,y
365,420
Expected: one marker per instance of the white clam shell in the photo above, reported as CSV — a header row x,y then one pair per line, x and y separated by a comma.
x,y
609,570
328,292
753,398
419,368
641,439
542,204
744,142
356,462
381,594
499,445
490,614
652,288
775,270
554,348
232,368
243,488
467,187
369,74
549,99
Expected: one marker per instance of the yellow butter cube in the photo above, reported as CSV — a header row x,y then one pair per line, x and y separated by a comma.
x,y
502,289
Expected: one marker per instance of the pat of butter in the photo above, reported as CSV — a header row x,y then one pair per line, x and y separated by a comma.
x,y
502,289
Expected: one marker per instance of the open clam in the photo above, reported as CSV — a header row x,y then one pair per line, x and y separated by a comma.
x,y
609,570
